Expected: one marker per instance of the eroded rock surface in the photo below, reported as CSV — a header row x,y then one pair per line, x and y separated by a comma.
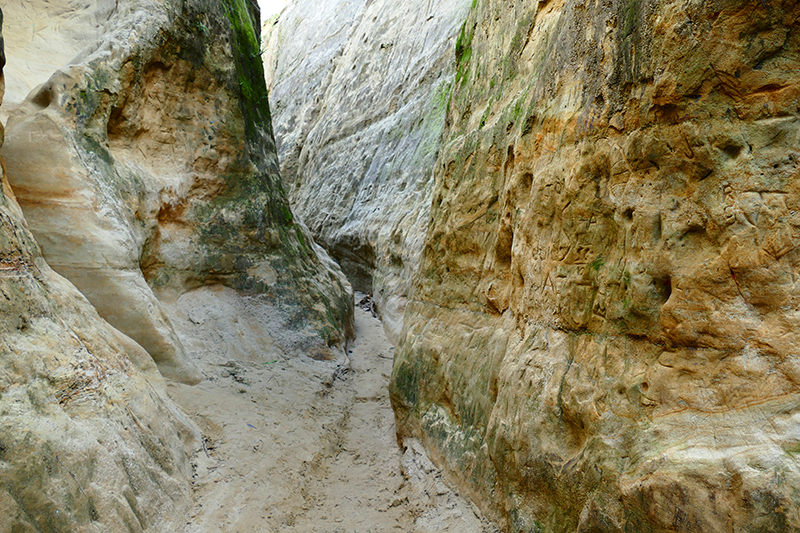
x,y
604,332
44,36
359,92
147,168
88,442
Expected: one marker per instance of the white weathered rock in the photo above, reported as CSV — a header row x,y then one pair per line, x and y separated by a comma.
x,y
359,92
43,36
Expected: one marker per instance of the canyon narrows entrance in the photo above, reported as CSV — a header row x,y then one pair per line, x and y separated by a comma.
x,y
297,445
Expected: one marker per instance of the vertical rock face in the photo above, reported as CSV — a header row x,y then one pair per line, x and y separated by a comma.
x,y
359,92
87,441
147,168
604,331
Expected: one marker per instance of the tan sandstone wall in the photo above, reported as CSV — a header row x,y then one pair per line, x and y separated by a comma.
x,y
89,440
146,168
603,331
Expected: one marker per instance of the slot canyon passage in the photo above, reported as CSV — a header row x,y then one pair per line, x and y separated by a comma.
x,y
434,265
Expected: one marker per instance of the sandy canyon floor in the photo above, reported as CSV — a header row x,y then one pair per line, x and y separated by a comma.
x,y
297,445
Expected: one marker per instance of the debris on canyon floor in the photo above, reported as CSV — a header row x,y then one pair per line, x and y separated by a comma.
x,y
368,304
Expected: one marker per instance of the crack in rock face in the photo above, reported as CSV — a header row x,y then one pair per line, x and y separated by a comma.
x,y
360,92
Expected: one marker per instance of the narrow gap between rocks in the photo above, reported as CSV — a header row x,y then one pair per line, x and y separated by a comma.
x,y
297,445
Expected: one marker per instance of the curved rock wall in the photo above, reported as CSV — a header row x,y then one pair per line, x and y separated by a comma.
x,y
359,92
88,442
44,36
147,168
603,333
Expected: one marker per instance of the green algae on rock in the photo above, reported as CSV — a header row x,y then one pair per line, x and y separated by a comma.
x,y
602,331
158,175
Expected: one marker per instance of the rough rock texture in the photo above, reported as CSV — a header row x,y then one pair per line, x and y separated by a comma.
x,y
147,168
359,92
604,329
87,442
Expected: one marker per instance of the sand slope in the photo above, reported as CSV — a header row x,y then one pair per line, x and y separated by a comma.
x,y
297,445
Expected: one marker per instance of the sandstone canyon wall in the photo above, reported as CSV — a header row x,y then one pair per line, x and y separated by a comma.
x,y
146,168
603,329
88,438
359,92
144,171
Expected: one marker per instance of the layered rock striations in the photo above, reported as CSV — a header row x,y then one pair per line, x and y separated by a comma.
x,y
359,92
146,168
89,440
603,334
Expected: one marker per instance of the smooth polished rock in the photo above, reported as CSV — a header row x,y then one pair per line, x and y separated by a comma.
x,y
42,36
89,439
147,168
